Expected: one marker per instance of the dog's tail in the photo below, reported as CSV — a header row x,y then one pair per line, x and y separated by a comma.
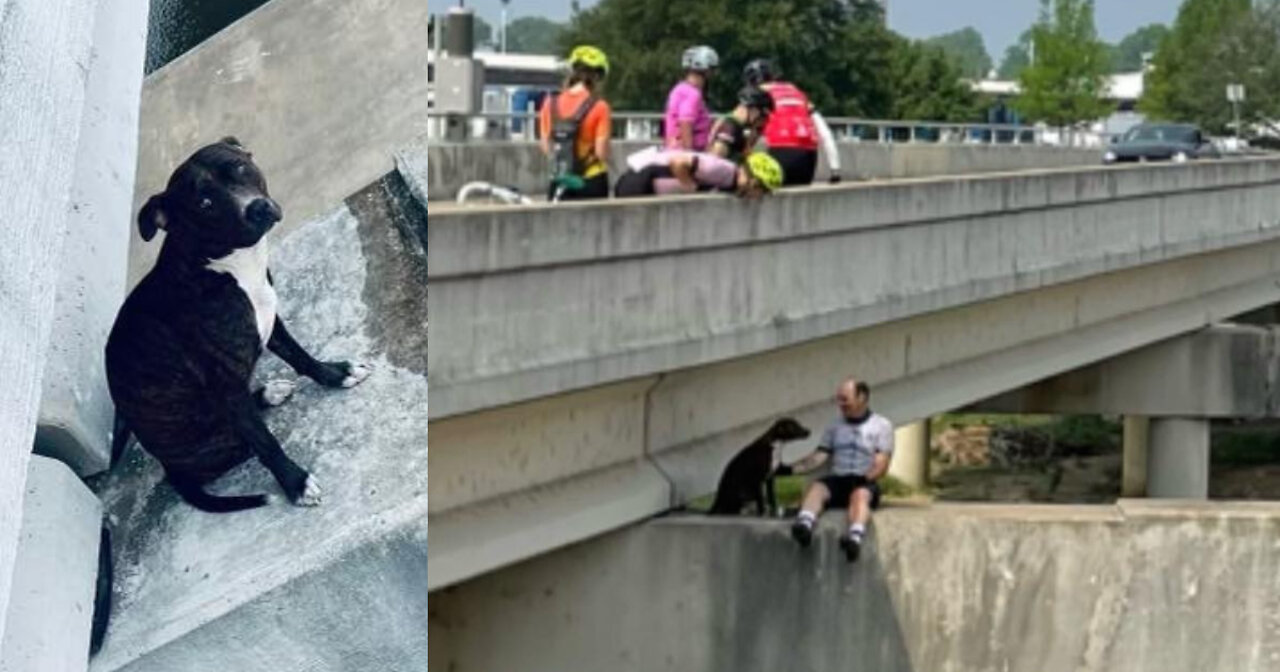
x,y
195,495
102,594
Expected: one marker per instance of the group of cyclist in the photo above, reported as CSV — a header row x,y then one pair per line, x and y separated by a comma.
x,y
698,154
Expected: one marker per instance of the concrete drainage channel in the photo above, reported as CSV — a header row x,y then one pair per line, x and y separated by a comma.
x,y
331,588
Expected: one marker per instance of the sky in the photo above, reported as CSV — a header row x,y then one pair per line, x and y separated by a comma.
x,y
999,21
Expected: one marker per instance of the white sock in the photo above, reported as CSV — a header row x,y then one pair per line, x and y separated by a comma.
x,y
806,517
857,530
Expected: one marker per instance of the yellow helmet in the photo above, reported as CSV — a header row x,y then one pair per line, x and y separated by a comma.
x,y
766,170
590,57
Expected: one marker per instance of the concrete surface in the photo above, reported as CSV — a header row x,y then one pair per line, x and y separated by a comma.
x,y
51,608
338,587
45,47
1224,371
948,588
1137,444
522,164
580,295
910,461
75,408
321,92
1178,458
657,340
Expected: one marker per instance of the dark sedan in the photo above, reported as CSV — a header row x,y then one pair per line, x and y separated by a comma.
x,y
1160,142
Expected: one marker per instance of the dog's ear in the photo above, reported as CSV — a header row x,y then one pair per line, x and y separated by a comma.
x,y
152,217
231,140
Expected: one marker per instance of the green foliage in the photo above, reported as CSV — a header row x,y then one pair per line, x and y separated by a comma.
x,y
928,86
1214,43
1064,83
534,35
838,51
1016,58
966,50
1127,56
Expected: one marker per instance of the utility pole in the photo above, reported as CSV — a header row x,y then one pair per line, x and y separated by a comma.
x,y
504,25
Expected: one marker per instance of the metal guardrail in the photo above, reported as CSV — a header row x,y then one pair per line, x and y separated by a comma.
x,y
647,126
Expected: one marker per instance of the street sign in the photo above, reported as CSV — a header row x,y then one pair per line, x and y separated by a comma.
x,y
1235,93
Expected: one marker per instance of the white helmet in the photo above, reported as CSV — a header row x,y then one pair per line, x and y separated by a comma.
x,y
700,59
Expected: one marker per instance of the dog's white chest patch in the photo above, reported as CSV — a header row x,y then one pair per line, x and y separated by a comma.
x,y
249,268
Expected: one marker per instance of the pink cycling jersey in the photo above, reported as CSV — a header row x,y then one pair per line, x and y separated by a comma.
x,y
686,104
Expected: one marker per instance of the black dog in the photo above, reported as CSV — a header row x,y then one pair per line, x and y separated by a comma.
x,y
183,348
749,475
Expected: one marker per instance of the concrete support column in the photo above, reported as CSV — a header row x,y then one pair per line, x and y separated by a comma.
x,y
910,463
1136,445
1178,458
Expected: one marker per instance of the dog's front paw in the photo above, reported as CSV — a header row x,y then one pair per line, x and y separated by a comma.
x,y
310,494
342,374
277,392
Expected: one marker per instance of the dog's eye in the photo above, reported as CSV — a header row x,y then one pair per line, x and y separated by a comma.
x,y
205,204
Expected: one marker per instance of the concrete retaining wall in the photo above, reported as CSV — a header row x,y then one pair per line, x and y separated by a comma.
x,y
322,92
1136,587
522,164
45,51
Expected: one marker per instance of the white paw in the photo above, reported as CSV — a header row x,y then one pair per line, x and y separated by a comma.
x,y
311,493
276,392
358,373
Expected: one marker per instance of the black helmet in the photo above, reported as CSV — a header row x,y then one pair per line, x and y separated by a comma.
x,y
757,98
758,72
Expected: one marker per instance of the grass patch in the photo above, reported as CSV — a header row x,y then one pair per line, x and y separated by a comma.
x,y
790,492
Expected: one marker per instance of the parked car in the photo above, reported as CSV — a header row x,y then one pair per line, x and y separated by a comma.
x,y
1160,142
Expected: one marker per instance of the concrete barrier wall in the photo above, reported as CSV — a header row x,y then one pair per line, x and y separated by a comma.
x,y
954,588
522,164
322,92
574,296
46,47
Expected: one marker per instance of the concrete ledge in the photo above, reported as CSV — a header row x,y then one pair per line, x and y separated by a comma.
x,y
336,587
522,164
259,79
949,587
51,607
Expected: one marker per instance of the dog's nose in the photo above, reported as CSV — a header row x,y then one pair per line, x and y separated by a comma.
x,y
263,212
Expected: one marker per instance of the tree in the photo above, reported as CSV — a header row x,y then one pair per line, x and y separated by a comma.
x,y
534,35
839,51
928,85
481,32
1016,58
966,49
1128,55
1214,43
1065,81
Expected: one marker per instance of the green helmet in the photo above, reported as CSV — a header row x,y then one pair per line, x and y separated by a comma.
x,y
590,57
766,170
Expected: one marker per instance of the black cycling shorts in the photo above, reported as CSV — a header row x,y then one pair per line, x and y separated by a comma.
x,y
842,487
593,188
798,165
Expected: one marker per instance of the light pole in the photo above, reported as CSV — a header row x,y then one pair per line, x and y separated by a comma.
x,y
504,25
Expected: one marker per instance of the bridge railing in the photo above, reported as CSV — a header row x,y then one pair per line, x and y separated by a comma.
x,y
643,126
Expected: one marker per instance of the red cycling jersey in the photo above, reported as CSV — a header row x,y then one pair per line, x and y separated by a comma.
x,y
791,124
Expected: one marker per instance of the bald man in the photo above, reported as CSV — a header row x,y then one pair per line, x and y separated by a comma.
x,y
860,444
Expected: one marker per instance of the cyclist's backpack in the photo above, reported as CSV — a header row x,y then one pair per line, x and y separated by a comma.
x,y
564,138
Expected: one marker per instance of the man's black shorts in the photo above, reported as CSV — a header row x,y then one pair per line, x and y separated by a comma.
x,y
842,488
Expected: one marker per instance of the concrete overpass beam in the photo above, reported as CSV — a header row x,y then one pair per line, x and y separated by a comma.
x,y
1178,461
